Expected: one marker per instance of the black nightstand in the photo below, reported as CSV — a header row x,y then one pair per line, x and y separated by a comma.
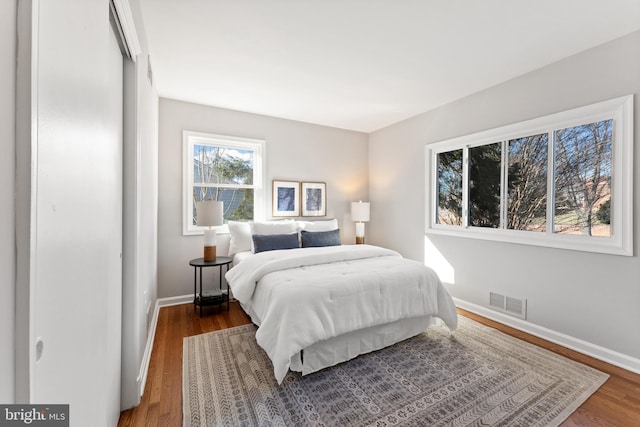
x,y
214,296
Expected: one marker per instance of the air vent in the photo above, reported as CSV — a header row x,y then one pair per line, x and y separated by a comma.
x,y
496,300
514,306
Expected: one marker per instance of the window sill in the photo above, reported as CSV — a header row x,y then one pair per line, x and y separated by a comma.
x,y
604,245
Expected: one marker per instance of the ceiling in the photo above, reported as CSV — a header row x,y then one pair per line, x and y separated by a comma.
x,y
363,64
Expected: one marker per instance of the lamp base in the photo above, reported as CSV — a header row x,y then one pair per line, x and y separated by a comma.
x,y
359,240
209,253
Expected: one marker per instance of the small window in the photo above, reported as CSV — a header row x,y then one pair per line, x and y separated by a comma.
x,y
222,168
563,181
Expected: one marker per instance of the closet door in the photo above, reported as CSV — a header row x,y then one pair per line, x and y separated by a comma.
x,y
76,298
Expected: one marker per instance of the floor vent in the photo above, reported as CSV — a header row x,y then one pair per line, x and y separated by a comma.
x,y
514,306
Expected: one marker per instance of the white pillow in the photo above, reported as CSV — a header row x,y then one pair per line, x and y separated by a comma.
x,y
329,225
272,227
240,240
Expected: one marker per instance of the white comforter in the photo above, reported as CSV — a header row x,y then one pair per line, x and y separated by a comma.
x,y
302,296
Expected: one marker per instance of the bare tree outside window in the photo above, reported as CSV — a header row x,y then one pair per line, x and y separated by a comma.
x,y
564,180
225,174
527,183
583,179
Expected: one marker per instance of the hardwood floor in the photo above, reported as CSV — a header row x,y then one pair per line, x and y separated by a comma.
x,y
161,403
616,403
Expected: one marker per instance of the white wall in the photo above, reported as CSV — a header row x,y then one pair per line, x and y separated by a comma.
x,y
295,151
148,207
7,200
591,297
141,214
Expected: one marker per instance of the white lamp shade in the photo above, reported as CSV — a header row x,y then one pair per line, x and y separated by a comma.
x,y
209,213
360,211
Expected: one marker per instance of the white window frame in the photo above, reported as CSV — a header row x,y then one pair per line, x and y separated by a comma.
x,y
189,139
621,240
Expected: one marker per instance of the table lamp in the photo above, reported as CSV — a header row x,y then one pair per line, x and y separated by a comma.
x,y
209,215
360,214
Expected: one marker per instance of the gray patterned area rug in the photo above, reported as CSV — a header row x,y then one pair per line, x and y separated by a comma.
x,y
476,376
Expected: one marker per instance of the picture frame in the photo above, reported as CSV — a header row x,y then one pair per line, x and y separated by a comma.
x,y
285,198
314,199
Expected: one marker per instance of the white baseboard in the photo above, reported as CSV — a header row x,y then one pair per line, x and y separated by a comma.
x,y
146,358
601,353
180,299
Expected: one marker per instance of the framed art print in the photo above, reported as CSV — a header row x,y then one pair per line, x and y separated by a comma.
x,y
286,198
314,199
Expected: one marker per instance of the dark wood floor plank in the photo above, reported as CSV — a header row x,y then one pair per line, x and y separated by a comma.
x,y
616,403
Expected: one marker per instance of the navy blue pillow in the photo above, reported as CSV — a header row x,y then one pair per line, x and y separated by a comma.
x,y
272,242
311,239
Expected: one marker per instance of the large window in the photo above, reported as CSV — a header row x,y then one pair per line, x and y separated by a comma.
x,y
562,181
222,168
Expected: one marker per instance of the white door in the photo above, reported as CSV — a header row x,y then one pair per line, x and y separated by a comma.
x,y
76,288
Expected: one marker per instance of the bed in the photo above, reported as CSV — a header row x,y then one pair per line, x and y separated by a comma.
x,y
319,306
